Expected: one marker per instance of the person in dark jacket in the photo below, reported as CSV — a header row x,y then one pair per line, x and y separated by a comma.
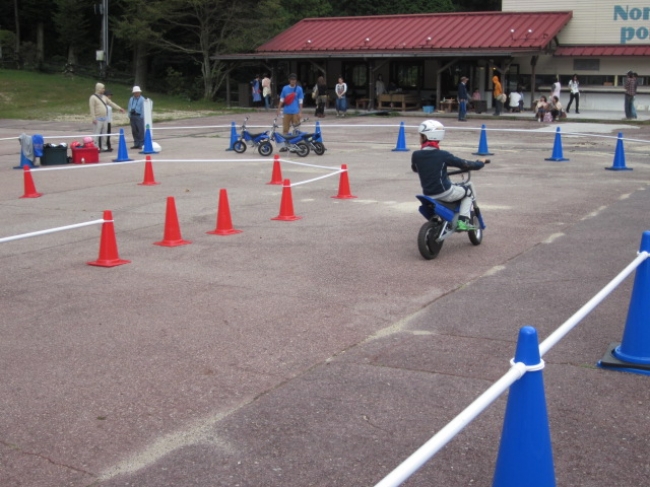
x,y
431,164
462,97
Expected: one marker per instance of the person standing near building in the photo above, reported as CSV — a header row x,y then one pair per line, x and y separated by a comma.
x,y
574,93
256,91
136,116
266,91
462,97
341,100
499,96
380,88
556,88
320,92
291,99
99,105
630,92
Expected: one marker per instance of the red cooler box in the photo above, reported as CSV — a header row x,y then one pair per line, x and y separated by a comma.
x,y
88,154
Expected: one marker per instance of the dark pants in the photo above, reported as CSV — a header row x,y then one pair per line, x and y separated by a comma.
x,y
108,137
630,112
576,97
462,109
137,129
498,106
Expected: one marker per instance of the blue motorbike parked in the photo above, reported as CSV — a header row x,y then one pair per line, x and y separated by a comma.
x,y
310,138
292,143
259,141
442,220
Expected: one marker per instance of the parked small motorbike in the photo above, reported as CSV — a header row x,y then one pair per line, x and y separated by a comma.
x,y
442,220
259,141
293,143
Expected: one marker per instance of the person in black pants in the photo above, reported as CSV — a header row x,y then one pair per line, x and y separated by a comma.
x,y
109,120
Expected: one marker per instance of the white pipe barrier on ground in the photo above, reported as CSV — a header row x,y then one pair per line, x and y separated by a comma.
x,y
52,230
413,463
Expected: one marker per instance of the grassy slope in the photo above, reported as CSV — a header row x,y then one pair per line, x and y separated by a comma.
x,y
36,96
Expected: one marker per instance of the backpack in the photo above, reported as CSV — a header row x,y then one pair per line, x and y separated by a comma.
x,y
548,117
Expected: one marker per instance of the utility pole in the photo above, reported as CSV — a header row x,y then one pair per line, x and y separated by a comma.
x,y
102,55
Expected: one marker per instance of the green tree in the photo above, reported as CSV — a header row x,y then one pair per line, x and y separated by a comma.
x,y
201,29
390,7
72,25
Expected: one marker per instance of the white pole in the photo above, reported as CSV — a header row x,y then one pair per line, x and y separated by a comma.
x,y
51,230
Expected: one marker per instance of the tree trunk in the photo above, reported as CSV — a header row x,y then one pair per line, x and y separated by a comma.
x,y
40,45
17,46
140,65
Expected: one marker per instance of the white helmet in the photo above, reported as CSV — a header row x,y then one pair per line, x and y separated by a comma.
x,y
432,130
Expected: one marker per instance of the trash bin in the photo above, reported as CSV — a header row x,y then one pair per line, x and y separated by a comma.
x,y
54,154
244,95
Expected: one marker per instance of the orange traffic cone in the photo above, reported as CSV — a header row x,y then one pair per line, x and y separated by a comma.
x,y
172,237
344,185
276,177
108,256
286,205
224,222
148,174
30,189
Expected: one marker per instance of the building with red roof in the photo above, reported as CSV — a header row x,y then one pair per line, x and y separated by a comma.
x,y
424,55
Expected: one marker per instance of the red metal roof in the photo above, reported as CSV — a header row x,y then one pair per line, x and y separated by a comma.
x,y
597,51
420,33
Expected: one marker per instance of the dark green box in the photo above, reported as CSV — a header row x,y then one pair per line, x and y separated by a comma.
x,y
54,155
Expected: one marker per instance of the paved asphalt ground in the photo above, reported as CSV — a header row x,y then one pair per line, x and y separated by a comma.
x,y
324,351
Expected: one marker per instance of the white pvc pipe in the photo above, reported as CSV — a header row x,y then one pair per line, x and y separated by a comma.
x,y
423,454
52,230
569,324
409,466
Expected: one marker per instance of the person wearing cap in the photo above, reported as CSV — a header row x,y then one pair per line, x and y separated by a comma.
x,y
136,116
630,86
291,98
462,97
100,105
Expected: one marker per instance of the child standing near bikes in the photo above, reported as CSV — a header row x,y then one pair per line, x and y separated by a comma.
x,y
431,165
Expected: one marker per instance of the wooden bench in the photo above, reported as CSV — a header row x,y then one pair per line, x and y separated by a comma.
x,y
362,103
397,101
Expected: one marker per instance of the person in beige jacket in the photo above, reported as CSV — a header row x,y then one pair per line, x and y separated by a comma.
x,y
99,104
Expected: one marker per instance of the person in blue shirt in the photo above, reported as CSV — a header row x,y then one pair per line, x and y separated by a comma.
x,y
136,116
462,96
291,99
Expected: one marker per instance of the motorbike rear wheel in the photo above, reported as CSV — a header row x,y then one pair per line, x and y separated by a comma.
x,y
303,149
475,236
319,148
239,147
265,148
427,244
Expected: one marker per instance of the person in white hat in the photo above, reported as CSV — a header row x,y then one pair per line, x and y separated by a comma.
x,y
99,106
136,115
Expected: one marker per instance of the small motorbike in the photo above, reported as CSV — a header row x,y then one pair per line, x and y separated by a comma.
x,y
259,141
293,143
442,220
310,138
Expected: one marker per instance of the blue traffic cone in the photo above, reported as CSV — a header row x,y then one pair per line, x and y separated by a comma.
x,y
24,162
619,156
482,144
318,137
633,353
401,140
525,454
557,148
233,136
122,152
148,143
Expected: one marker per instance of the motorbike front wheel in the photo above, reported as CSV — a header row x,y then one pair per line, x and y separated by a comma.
x,y
475,236
265,148
239,147
302,149
429,233
319,148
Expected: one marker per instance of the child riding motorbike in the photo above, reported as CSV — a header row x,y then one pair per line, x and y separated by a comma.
x,y
431,165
